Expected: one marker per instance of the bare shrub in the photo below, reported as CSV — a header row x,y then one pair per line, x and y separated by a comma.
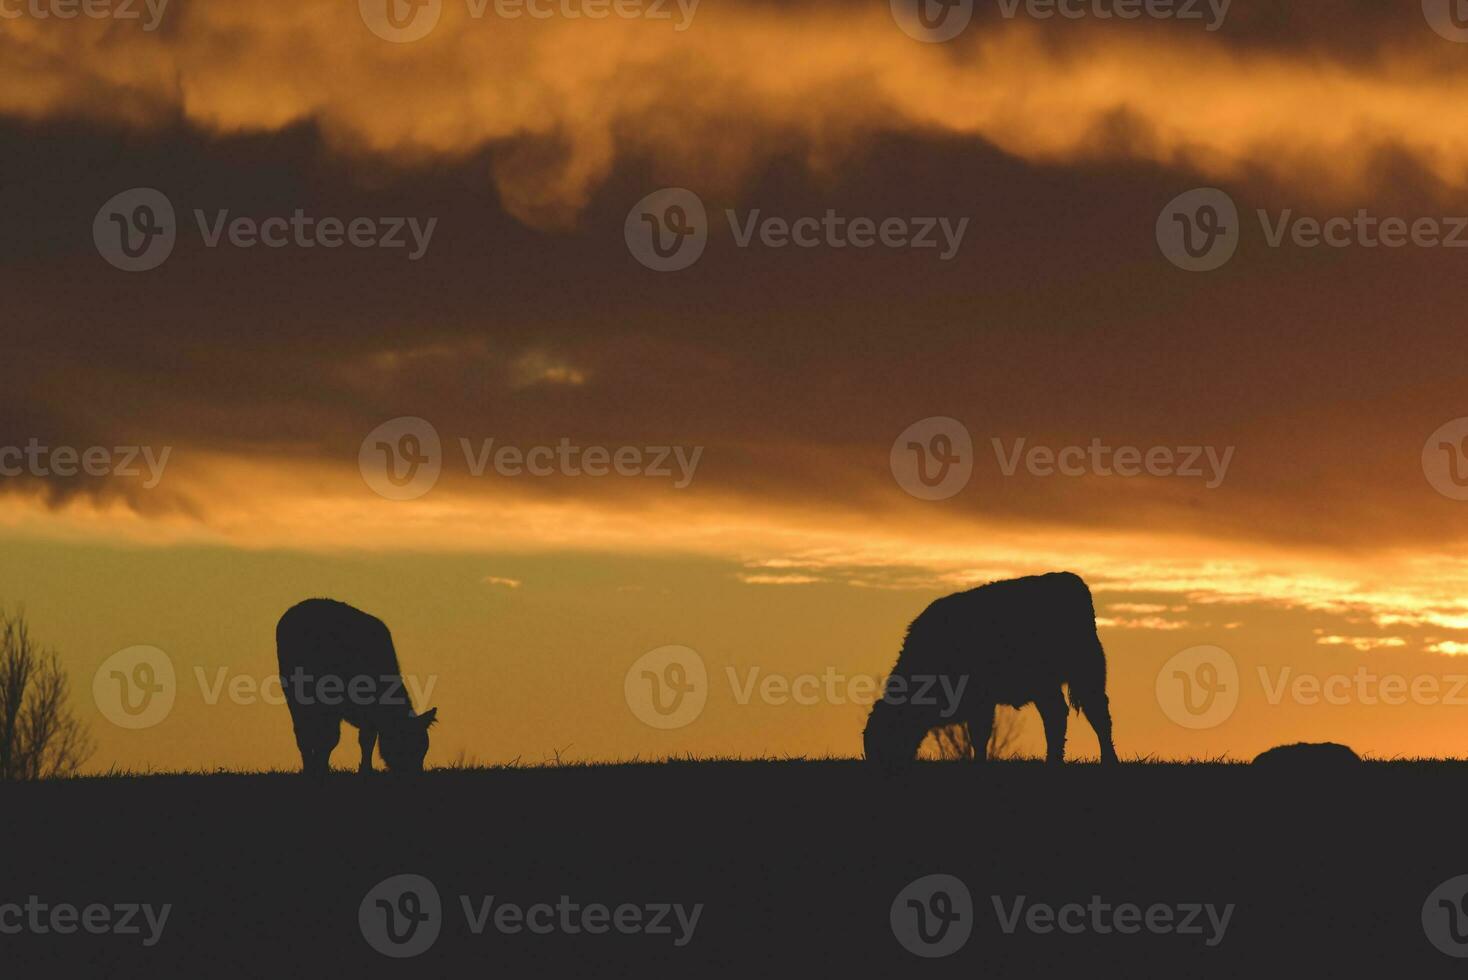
x,y
955,742
40,738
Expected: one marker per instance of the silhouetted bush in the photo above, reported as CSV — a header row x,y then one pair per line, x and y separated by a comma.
x,y
39,736
956,743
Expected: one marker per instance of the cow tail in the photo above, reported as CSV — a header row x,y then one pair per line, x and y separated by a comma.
x,y
1089,681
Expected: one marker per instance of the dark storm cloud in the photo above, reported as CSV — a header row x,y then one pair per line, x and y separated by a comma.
x,y
527,319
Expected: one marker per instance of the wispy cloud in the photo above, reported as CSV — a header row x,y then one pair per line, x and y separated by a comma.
x,y
538,367
748,579
1364,644
1143,607
1142,623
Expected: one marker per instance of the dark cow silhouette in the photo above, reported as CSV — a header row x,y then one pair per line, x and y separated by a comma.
x,y
1011,642
337,664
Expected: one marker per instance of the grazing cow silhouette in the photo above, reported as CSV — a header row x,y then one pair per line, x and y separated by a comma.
x,y
1011,642
338,664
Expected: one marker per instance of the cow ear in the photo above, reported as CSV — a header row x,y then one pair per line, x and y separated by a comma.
x,y
428,717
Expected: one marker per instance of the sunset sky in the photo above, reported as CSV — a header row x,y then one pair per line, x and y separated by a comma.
x,y
1331,546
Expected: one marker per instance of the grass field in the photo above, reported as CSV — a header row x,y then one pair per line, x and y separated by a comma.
x,y
792,867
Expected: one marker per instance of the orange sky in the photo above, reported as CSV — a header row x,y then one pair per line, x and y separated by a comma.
x,y
1324,550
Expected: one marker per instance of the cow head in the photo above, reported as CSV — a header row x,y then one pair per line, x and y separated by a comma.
x,y
404,742
893,734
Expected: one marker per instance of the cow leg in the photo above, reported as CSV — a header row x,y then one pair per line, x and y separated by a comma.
x,y
1053,712
366,740
980,728
304,743
1097,709
316,738
1088,693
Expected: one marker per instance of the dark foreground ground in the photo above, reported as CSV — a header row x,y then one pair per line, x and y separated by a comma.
x,y
796,866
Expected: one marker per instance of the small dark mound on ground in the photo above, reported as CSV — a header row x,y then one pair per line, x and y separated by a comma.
x,y
1308,755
